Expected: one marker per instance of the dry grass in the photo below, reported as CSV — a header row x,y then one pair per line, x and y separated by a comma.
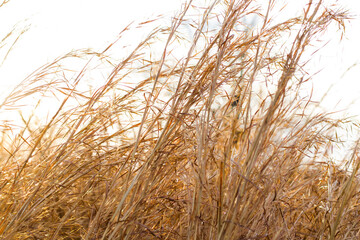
x,y
212,142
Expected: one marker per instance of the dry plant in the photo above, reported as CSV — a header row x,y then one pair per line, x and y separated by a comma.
x,y
207,138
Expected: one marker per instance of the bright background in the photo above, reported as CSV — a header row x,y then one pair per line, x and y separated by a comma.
x,y
59,26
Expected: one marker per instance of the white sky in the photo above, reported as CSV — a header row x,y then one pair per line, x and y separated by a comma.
x,y
59,26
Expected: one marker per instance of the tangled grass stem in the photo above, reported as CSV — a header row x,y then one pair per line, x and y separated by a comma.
x,y
210,137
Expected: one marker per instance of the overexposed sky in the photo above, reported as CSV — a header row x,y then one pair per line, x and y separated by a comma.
x,y
59,26
340,65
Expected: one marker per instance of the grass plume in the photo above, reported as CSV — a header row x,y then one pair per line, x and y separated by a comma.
x,y
201,137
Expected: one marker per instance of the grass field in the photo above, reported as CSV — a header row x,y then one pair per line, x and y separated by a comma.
x,y
208,137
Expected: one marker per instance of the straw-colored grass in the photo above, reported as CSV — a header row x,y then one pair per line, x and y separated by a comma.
x,y
207,138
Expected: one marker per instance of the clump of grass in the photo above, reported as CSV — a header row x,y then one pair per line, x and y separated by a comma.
x,y
211,142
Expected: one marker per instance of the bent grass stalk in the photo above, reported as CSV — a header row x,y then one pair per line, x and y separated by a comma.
x,y
214,141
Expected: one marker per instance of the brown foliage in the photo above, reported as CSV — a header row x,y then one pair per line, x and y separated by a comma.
x,y
216,143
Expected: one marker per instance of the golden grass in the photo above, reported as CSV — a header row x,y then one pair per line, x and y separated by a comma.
x,y
215,144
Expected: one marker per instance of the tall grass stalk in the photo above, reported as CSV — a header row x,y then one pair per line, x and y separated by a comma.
x,y
200,131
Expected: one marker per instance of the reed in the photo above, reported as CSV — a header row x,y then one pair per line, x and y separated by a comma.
x,y
212,141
